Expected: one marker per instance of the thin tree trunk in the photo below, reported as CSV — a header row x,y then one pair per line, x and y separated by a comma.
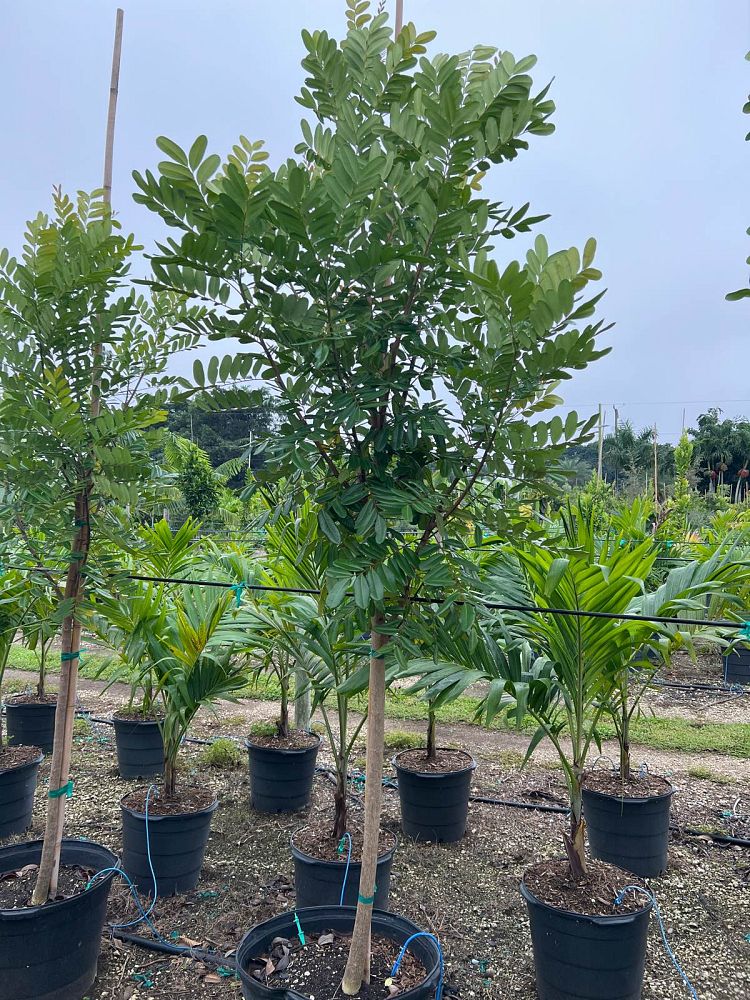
x,y
301,700
40,688
170,776
283,726
49,864
575,841
625,748
358,965
339,801
431,734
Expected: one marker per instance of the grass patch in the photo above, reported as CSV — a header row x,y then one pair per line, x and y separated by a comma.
x,y
222,755
400,739
82,727
264,729
706,774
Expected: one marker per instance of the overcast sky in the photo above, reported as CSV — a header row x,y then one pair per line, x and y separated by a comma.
x,y
648,155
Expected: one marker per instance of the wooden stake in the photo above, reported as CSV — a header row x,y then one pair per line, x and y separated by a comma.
x,y
358,966
399,16
114,89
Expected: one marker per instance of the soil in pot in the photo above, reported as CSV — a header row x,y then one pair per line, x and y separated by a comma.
x,y
178,831
585,945
31,721
434,793
317,968
320,865
19,767
628,822
281,770
50,952
140,747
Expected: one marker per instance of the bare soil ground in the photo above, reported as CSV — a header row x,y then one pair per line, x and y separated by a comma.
x,y
467,892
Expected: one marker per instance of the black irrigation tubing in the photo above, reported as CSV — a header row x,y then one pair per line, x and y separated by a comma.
x,y
199,954
492,605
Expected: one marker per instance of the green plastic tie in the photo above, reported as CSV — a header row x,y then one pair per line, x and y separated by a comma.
x,y
375,654
342,844
745,630
77,555
80,524
300,932
366,900
239,589
669,543
66,790
67,657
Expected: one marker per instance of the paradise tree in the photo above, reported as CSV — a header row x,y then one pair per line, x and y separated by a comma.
x,y
359,277
82,362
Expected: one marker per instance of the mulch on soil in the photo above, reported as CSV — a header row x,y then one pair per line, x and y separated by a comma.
x,y
445,761
553,883
136,715
32,699
640,786
16,887
17,756
187,800
316,969
297,739
315,839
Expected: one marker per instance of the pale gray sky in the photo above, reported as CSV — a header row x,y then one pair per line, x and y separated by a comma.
x,y
648,155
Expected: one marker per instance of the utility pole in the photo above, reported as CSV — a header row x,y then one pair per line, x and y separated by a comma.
x,y
617,464
656,468
601,444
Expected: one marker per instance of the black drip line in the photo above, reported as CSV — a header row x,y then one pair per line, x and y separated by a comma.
x,y
492,605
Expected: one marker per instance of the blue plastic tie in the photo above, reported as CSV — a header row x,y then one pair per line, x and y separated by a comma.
x,y
405,945
347,836
745,630
657,912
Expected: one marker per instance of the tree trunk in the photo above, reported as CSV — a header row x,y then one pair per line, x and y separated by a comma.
x,y
358,965
301,700
283,725
625,748
575,841
431,728
49,864
170,775
40,689
339,801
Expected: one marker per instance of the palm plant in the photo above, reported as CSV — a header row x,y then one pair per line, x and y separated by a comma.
x,y
193,661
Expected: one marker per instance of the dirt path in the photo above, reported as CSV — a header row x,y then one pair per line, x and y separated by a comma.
x,y
235,718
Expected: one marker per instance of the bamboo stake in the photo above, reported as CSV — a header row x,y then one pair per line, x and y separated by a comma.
x,y
49,863
399,16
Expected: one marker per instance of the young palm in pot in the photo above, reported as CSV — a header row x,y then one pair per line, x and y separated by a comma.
x,y
194,662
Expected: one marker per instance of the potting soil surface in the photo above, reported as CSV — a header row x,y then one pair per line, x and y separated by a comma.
x,y
17,756
466,893
640,786
316,840
186,800
296,740
317,969
444,761
552,882
16,887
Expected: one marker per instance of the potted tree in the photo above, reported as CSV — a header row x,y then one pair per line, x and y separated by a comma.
x,y
193,662
72,442
127,614
31,716
360,282
19,764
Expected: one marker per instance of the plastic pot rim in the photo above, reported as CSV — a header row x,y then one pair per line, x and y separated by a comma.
x,y
304,856
12,703
19,767
284,751
599,920
385,917
29,912
641,800
181,815
471,766
135,721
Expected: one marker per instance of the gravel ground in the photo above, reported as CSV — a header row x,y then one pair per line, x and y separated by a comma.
x,y
467,893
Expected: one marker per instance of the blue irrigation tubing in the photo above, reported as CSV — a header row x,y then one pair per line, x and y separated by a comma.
x,y
405,945
347,836
639,890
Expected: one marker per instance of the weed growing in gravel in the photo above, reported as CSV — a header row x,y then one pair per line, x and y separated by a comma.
x,y
221,755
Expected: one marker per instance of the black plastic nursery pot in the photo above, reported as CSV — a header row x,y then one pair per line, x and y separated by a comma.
x,y
314,920
31,724
579,957
17,787
176,843
140,748
50,952
434,804
737,666
281,780
319,883
630,833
